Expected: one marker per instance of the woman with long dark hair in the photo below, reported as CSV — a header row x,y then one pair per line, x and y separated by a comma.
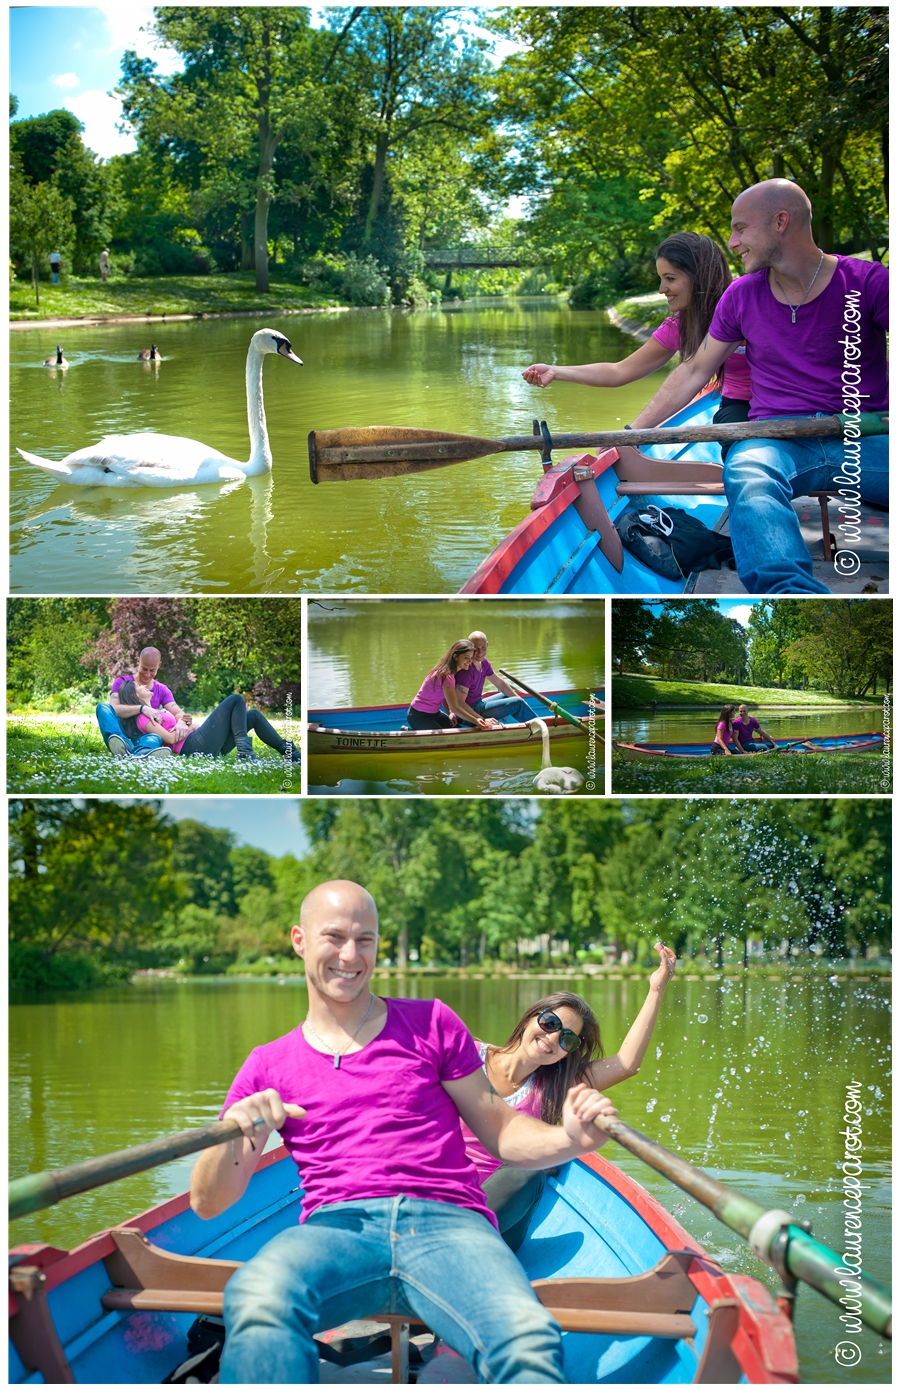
x,y
554,1046
693,276
227,727
723,739
439,688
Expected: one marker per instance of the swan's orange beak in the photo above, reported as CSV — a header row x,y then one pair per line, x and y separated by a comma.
x,y
284,350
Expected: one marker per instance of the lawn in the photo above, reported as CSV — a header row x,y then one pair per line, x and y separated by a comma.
x,y
638,692
802,773
65,753
170,294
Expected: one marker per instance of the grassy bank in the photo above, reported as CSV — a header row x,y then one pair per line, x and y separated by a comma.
x,y
63,755
638,692
645,311
170,294
807,774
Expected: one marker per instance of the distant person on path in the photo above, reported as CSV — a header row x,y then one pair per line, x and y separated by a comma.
x,y
368,1094
554,1046
693,276
104,264
470,683
743,729
720,744
439,688
55,260
815,331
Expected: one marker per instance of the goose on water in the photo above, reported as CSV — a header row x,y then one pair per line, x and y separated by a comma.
x,y
167,460
149,354
555,780
57,361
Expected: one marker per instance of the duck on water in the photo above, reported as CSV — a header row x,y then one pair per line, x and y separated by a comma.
x,y
166,460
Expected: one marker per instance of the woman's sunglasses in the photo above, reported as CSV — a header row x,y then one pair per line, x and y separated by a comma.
x,y
548,1022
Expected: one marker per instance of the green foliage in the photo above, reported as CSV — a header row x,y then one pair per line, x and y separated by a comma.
x,y
40,221
845,646
687,638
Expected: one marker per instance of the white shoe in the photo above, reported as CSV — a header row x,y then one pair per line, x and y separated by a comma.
x,y
116,746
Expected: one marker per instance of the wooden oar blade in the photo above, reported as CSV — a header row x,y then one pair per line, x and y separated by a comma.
x,y
386,451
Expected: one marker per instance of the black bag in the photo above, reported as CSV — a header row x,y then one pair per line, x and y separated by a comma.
x,y
673,543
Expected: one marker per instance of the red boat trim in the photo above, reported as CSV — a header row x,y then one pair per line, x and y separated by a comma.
x,y
66,1264
764,1341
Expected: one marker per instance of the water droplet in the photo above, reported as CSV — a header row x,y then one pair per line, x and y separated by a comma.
x,y
702,1018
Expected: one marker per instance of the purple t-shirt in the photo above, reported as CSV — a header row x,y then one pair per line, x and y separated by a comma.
x,y
161,696
473,681
431,694
744,731
737,385
811,365
380,1125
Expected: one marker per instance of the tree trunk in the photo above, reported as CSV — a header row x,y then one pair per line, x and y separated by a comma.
x,y
34,279
261,240
402,944
246,241
482,947
381,148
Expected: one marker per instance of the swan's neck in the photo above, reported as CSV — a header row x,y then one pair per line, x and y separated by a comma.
x,y
260,453
545,741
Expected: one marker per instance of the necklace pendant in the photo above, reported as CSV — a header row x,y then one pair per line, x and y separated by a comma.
x,y
337,1061
793,314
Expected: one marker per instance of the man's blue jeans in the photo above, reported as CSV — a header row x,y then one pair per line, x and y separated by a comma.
x,y
109,724
762,476
443,1264
506,708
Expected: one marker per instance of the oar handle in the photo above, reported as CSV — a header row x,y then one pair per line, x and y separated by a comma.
x,y
800,1254
551,704
40,1190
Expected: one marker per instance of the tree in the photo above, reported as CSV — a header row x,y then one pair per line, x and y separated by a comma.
x,y
165,623
252,645
847,644
40,221
632,624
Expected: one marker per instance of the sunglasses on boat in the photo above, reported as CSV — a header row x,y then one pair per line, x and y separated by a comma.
x,y
548,1022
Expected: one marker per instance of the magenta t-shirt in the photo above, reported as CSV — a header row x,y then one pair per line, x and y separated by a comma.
x,y
473,681
162,695
743,731
380,1125
527,1099
431,694
737,385
168,722
797,368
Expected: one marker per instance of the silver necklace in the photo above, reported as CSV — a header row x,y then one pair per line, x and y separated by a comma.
x,y
329,1048
794,307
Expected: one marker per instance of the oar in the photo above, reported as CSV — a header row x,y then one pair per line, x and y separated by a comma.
x,y
40,1190
386,451
551,704
773,1236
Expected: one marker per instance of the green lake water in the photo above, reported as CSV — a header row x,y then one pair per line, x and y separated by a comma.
x,y
447,369
379,653
746,1079
696,726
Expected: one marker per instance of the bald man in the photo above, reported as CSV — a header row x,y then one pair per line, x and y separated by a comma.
x,y
471,682
112,711
815,327
368,1095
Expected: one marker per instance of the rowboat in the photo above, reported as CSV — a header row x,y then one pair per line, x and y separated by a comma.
x,y
836,743
639,1300
559,548
380,728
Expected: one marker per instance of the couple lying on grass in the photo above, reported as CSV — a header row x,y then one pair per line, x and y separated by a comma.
x,y
423,1156
142,718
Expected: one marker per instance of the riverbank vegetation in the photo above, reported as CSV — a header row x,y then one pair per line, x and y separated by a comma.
x,y
99,889
841,647
342,158
142,296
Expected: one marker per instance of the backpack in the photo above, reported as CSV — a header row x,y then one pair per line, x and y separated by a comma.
x,y
673,543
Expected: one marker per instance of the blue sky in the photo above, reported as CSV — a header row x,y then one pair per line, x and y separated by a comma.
x,y
736,608
70,56
268,822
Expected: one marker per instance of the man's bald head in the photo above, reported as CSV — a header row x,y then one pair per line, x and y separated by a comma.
x,y
339,897
478,638
151,656
772,196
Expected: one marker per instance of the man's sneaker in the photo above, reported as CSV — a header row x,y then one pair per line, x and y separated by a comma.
x,y
117,746
161,752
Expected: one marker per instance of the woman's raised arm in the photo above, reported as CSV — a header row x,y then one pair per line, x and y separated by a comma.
x,y
626,1062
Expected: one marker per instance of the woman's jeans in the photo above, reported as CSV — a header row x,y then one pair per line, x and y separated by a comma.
x,y
443,1264
512,1195
228,720
761,478
420,719
109,725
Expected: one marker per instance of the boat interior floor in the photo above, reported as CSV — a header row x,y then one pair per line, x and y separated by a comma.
x,y
871,548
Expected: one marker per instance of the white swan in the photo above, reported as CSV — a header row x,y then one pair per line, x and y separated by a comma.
x,y
57,361
555,780
167,460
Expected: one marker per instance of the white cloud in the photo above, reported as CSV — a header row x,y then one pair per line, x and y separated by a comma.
x,y
741,613
66,79
128,27
100,114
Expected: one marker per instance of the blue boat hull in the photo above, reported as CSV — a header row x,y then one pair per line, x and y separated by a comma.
x,y
837,743
593,1221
